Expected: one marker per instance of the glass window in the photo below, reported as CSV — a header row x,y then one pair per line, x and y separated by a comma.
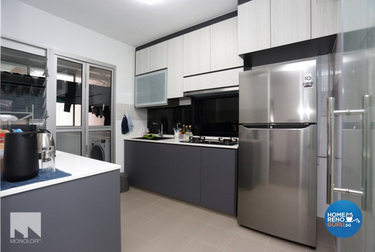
x,y
68,93
23,84
100,85
70,142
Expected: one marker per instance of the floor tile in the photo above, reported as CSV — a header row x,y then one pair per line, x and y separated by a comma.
x,y
197,246
165,203
273,249
150,248
253,235
126,197
132,221
169,218
135,192
242,244
150,197
203,215
135,204
151,211
126,213
149,230
130,242
227,223
182,208
172,241
190,227
286,245
215,237
321,247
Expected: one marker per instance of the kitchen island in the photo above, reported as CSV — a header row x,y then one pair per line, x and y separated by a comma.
x,y
80,212
202,174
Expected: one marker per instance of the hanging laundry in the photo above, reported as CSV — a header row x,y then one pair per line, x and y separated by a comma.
x,y
124,126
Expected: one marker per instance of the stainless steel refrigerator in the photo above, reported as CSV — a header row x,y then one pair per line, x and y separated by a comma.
x,y
277,166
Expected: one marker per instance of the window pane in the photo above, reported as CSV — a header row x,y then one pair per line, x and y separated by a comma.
x,y
100,84
69,142
68,93
100,145
23,84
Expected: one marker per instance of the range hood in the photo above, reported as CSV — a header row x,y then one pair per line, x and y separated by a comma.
x,y
215,92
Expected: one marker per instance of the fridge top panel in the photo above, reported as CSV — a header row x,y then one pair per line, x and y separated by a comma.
x,y
279,94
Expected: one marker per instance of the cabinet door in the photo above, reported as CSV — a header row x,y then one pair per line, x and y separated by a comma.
x,y
324,18
151,89
158,56
290,21
175,67
224,46
186,173
149,167
142,61
218,179
254,26
197,51
220,79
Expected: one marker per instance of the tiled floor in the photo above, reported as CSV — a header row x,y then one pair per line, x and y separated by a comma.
x,y
151,222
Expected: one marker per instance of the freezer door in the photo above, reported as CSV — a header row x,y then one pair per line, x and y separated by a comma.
x,y
279,94
277,182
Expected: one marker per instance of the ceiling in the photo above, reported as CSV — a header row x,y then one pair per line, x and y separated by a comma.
x,y
133,21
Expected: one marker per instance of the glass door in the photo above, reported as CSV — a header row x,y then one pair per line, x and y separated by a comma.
x,y
355,77
69,120
84,109
99,113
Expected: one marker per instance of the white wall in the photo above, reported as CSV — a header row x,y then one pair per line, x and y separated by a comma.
x,y
22,22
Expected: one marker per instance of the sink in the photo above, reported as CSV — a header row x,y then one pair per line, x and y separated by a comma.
x,y
153,139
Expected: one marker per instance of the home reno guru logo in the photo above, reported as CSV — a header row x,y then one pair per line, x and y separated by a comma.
x,y
25,228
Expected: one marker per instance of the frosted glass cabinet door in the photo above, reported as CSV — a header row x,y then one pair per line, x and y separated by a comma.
x,y
151,89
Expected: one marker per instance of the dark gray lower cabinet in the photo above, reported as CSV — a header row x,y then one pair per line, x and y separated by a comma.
x,y
219,180
149,166
202,176
186,173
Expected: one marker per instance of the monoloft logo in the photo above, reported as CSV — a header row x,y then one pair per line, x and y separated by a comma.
x,y
22,223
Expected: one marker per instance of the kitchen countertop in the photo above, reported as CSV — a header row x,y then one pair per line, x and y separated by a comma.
x,y
80,167
177,142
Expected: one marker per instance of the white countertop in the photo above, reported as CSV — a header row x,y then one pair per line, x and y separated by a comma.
x,y
79,167
177,141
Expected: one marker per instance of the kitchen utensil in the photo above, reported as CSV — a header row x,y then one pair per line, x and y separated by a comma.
x,y
45,141
20,156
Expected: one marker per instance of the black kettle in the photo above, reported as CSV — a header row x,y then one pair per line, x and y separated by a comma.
x,y
20,156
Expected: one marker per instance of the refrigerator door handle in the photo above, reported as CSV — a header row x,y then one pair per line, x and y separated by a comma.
x,y
366,155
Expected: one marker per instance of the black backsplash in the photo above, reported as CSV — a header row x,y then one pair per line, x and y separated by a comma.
x,y
208,117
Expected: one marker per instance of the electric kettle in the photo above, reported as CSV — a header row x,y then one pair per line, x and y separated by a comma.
x,y
46,150
45,142
20,156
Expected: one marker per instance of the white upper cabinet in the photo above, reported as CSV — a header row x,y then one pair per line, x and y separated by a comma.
x,y
254,26
290,21
224,38
325,18
151,58
197,51
159,56
175,67
142,61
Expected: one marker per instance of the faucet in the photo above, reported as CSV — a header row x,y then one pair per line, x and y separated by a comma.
x,y
160,130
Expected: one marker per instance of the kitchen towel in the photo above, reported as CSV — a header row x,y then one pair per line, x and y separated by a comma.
x,y
124,126
43,175
130,123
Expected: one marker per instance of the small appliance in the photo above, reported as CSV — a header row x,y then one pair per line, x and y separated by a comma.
x,y
20,156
